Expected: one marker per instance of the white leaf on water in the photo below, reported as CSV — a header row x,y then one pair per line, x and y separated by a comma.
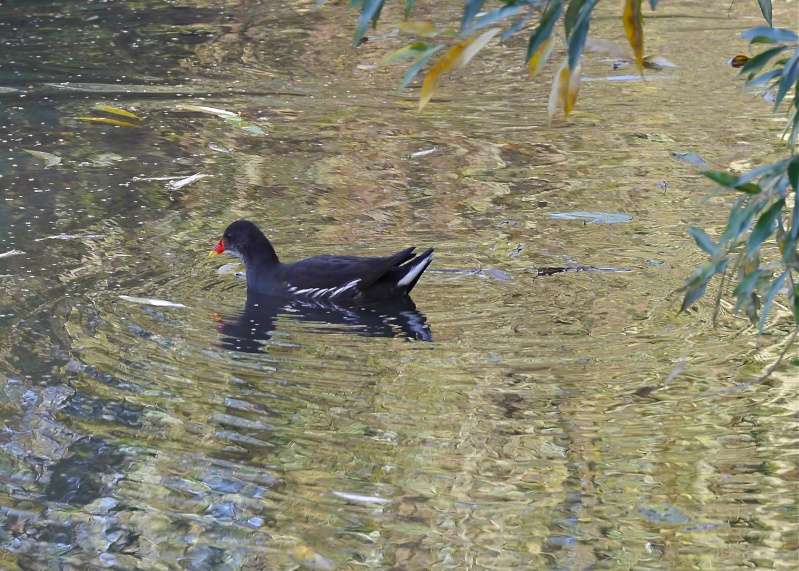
x,y
50,160
11,253
178,184
150,301
362,499
70,237
422,153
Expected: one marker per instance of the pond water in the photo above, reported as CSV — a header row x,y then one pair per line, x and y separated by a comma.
x,y
153,419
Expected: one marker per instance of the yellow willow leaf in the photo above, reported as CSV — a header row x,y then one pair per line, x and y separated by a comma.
x,y
476,45
108,121
541,56
443,65
634,26
569,94
554,93
116,111
425,29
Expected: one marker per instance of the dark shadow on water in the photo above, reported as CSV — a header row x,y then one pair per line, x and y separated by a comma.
x,y
249,330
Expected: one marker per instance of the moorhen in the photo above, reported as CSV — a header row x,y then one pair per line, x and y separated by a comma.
x,y
321,278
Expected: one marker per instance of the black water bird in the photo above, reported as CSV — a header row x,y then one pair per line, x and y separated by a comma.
x,y
329,279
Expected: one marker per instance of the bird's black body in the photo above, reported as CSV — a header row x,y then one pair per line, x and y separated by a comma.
x,y
335,279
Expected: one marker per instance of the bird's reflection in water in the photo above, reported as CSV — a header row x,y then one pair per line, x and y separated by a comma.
x,y
249,330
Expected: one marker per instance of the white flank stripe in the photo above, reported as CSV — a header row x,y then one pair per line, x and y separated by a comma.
x,y
414,273
344,288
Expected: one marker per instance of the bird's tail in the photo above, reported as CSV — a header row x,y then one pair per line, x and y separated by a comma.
x,y
416,268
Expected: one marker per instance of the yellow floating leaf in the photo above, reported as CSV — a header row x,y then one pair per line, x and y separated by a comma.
x,y
117,111
476,45
108,121
541,56
634,27
443,65
50,160
607,47
425,29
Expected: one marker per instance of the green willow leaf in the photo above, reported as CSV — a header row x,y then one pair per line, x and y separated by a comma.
x,y
653,4
417,65
572,11
775,287
793,173
795,304
580,32
703,240
765,78
764,227
767,34
788,80
408,7
746,286
370,12
494,16
406,52
757,62
765,8
729,180
470,10
544,29
518,25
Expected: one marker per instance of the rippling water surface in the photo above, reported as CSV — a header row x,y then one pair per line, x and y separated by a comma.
x,y
155,418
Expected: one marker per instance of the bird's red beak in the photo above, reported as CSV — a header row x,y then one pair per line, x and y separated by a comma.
x,y
218,249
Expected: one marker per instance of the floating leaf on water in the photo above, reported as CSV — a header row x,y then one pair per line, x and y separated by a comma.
x,y
230,268
309,559
178,184
116,111
551,270
591,217
11,253
150,301
218,148
691,158
498,274
738,61
362,499
71,237
244,125
50,160
607,47
513,254
108,121
208,110
422,153
657,62
419,28
667,514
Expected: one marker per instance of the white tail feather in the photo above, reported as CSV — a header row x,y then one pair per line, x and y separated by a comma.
x,y
415,271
